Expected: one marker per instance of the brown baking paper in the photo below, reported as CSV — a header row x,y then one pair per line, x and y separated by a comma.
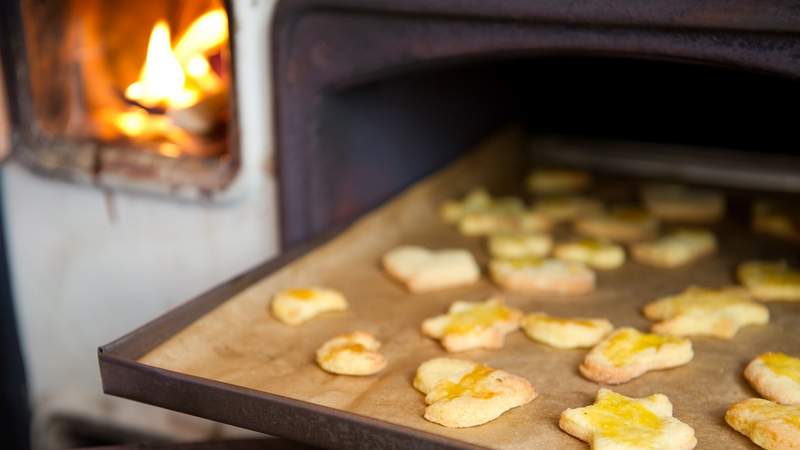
x,y
241,344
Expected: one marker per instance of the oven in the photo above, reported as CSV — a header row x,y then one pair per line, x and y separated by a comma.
x,y
362,99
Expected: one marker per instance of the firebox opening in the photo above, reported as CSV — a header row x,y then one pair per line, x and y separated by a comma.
x,y
131,93
386,133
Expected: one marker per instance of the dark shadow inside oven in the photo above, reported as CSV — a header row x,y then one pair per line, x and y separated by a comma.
x,y
376,137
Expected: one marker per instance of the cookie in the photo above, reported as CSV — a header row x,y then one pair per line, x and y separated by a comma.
x,y
542,275
625,224
461,393
561,332
675,249
772,219
557,181
424,270
477,199
483,223
617,422
561,208
770,280
353,353
710,312
596,253
295,306
520,245
470,325
769,425
775,376
676,202
627,353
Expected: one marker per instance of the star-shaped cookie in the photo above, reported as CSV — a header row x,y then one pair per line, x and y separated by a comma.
x,y
775,376
470,325
627,353
461,393
700,311
616,422
768,424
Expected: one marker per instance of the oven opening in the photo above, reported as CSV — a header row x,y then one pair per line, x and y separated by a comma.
x,y
386,131
131,91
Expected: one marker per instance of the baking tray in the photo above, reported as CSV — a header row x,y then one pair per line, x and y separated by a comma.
x,y
222,357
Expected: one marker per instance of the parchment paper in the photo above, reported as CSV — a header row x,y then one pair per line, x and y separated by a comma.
x,y
240,343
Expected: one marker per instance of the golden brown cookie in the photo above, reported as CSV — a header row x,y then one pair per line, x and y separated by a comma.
x,y
627,353
617,422
520,245
711,312
461,393
624,224
775,376
675,249
483,223
421,269
538,275
563,332
557,181
470,325
768,424
560,208
676,202
596,253
775,220
353,353
295,306
477,199
770,280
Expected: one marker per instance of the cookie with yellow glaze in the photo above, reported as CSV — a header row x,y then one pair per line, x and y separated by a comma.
x,y
775,220
520,245
675,249
676,202
542,275
776,376
595,252
768,424
421,269
563,332
470,325
770,280
627,353
559,208
477,199
626,224
295,306
461,393
353,353
617,422
557,181
710,312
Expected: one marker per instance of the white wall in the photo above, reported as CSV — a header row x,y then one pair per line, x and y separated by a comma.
x,y
88,266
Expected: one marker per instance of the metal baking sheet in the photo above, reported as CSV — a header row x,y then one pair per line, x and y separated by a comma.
x,y
223,357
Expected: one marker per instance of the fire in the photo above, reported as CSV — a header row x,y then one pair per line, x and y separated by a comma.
x,y
175,79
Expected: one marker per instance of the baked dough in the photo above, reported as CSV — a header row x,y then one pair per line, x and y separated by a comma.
x,y
776,376
538,275
774,220
560,208
477,199
520,245
770,280
626,224
353,353
617,422
470,325
557,181
627,353
711,312
769,425
595,252
421,269
675,249
295,306
461,393
562,332
482,223
676,202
